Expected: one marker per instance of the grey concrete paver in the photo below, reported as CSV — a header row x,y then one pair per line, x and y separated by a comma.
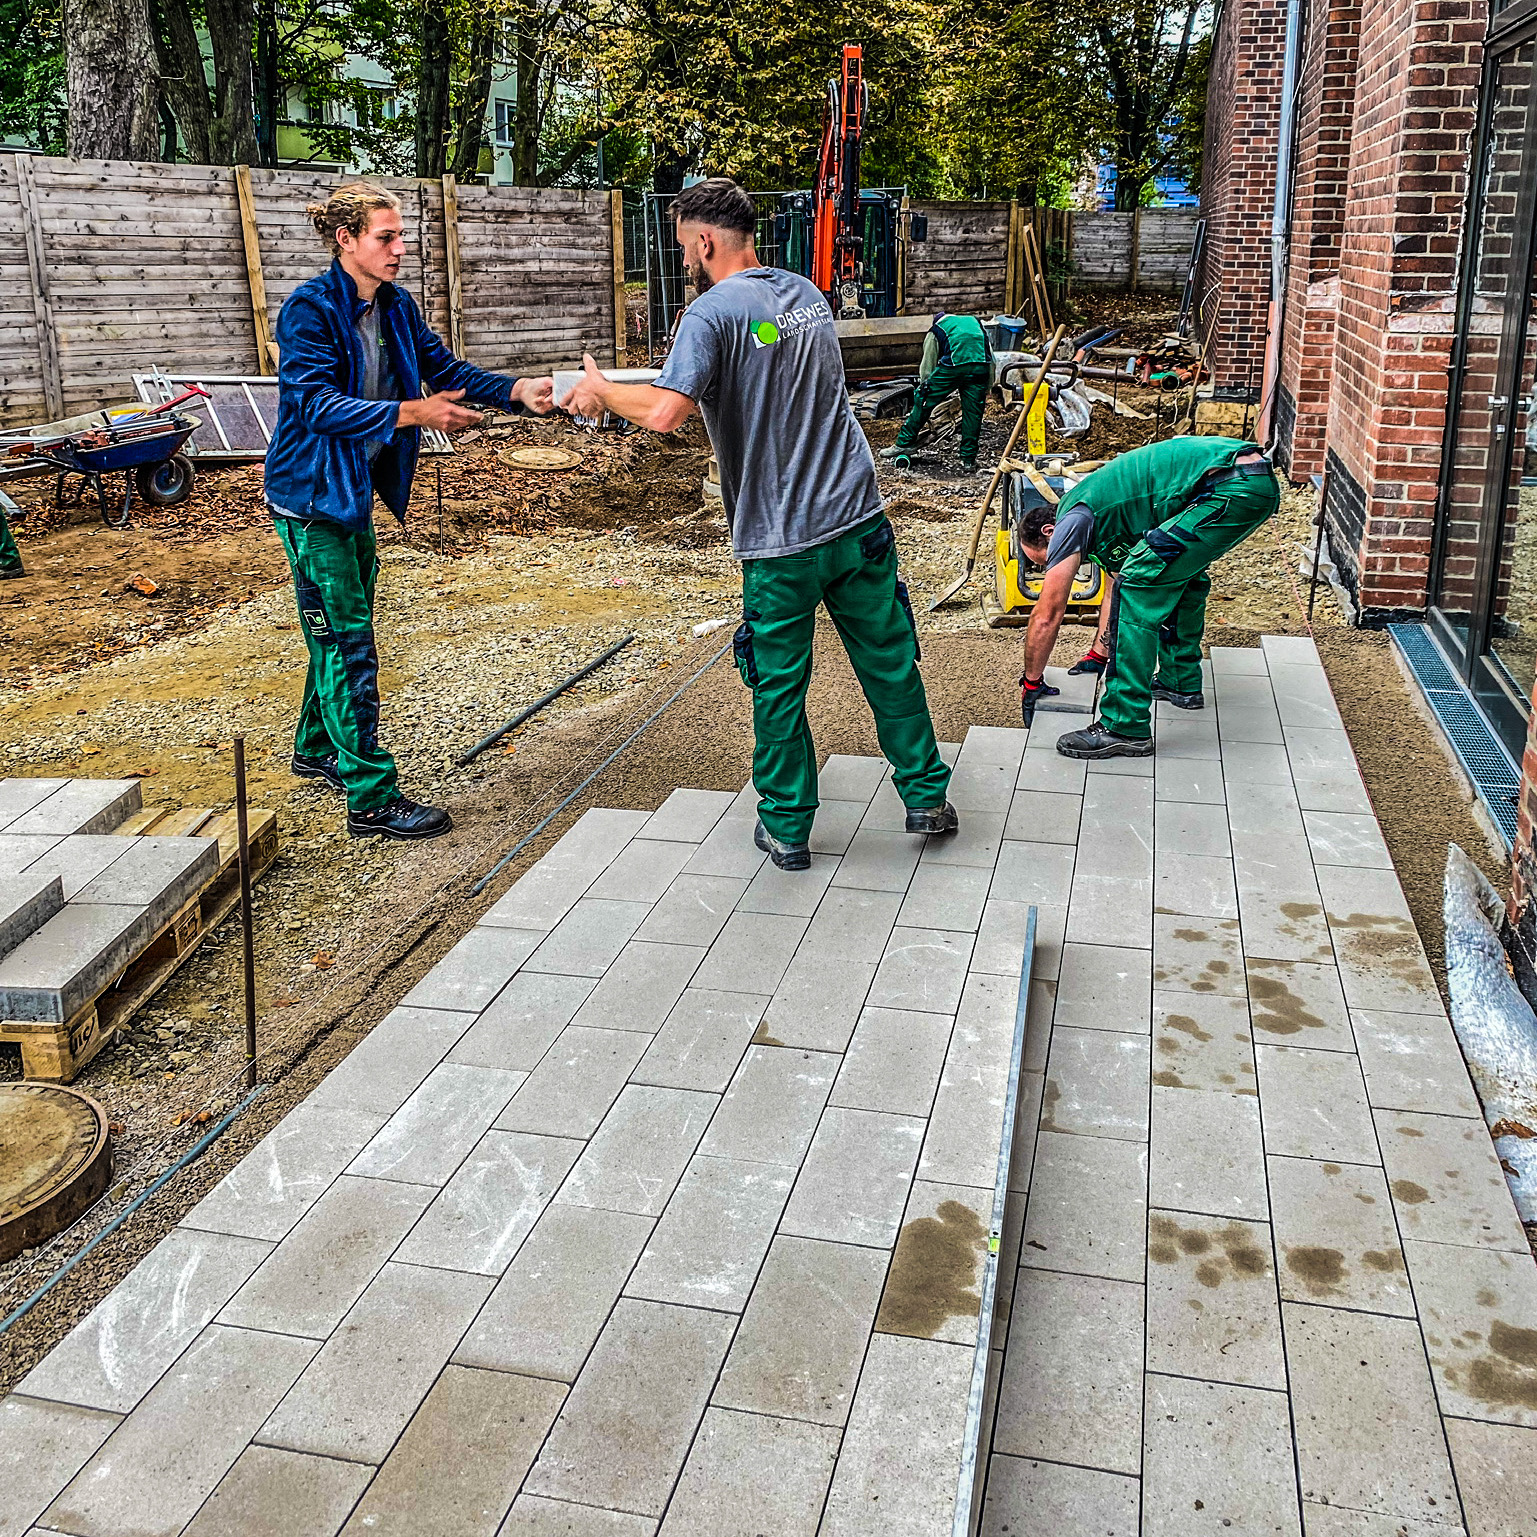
x,y
1496,1476
1298,1003
1040,873
307,1284
1044,816
1024,1495
835,826
551,1303
475,970
748,1474
1201,1042
706,1249
1072,1376
974,844
770,1111
1313,1104
1478,1308
534,1516
844,777
1097,1084
626,1428
20,795
42,1444
1413,1062
361,1390
522,1021
273,1186
1194,885
802,1339
893,1062
853,1184
575,1085
1381,959
947,897
1111,910
273,1493
795,893
642,870
879,861
388,1065
1212,1310
121,1349
1188,779
459,1462
636,1156
162,1462
728,850
1335,1237
1187,827
897,1468
702,1042
752,953
1000,946
587,941
430,1135
1049,771
1106,1236
1198,955
1364,1413
1105,987
922,969
694,911
83,806
1206,1153
1340,838
1446,1181
639,990
940,1219
687,816
1218,1459
488,1208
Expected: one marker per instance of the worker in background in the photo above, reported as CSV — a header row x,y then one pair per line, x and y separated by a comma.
x,y
355,353
757,354
957,359
1158,517
10,556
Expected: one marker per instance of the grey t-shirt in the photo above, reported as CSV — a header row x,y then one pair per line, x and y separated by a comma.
x,y
1071,538
759,355
379,382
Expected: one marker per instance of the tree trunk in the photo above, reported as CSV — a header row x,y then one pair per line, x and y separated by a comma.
x,y
111,80
182,78
668,167
432,91
470,116
232,131
527,114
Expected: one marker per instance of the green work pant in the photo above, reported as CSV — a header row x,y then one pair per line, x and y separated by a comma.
x,y
1160,599
335,569
855,576
972,380
10,556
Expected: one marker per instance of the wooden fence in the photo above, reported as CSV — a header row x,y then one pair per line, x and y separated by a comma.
x,y
110,268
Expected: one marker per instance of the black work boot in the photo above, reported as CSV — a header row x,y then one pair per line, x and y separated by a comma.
x,y
1096,742
319,768
788,856
932,819
402,819
1195,701
10,573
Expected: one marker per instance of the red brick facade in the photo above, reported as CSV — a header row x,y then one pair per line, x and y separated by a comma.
x,y
1373,266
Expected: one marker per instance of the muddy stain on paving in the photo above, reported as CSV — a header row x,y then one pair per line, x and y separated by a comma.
x,y
1282,1012
1505,1375
1320,1270
933,1272
1229,1253
1410,1193
1185,1023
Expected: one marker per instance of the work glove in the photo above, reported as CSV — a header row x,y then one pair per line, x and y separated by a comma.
x,y
1092,661
1031,692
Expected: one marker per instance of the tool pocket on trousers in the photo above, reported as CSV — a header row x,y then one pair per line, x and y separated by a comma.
x,y
879,541
1166,546
741,649
912,623
312,610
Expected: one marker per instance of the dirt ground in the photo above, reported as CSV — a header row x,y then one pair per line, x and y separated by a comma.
x,y
531,574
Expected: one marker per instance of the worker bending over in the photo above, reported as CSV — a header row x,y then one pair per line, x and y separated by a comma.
x,y
957,359
1157,517
355,353
756,353
10,556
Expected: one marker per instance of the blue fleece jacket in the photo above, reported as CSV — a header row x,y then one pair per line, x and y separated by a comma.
x,y
317,462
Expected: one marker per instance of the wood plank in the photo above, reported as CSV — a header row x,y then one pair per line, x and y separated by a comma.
x,y
251,238
455,273
49,364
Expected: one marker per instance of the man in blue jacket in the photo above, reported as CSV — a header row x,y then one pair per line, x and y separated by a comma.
x,y
355,353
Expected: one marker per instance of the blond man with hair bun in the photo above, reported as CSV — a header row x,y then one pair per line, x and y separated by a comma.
x,y
355,355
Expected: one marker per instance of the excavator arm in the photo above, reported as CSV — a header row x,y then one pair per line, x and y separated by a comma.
x,y
837,261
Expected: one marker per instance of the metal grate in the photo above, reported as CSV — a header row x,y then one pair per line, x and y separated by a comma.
x,y
1494,773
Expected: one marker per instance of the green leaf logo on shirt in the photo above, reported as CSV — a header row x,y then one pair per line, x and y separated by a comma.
x,y
764,334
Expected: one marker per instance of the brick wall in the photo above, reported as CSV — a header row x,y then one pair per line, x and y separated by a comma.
x,y
1238,186
1326,87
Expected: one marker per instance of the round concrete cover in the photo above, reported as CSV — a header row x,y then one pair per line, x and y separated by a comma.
x,y
55,1160
541,458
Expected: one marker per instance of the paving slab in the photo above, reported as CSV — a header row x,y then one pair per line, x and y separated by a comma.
x,y
687,816
522,1022
22,794
70,959
159,874
634,1161
82,806
26,903
475,970
273,1493
703,1040
42,1446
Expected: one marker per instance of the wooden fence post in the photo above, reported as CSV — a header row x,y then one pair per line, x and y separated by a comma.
x,y
42,295
621,328
1136,246
1013,260
266,346
451,264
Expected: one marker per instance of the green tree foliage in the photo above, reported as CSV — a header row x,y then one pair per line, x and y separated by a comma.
x,y
32,74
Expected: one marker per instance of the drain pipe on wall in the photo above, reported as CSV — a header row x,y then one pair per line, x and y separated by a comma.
x,y
1280,220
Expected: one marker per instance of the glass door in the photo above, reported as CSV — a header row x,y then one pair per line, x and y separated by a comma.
x,y
1484,591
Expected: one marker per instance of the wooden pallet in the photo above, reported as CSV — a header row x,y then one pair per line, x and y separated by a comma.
x,y
56,1053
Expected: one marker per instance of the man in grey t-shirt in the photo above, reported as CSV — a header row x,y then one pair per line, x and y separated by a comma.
x,y
757,355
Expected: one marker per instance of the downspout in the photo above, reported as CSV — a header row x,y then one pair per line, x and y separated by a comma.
x,y
1280,220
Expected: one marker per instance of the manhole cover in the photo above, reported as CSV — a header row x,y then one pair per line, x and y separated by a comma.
x,y
55,1160
541,458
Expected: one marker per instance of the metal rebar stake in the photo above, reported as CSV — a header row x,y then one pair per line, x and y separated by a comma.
x,y
247,931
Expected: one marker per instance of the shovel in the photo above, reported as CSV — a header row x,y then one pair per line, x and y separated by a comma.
x,y
980,517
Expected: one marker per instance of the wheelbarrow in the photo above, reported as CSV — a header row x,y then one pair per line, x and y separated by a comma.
x,y
144,445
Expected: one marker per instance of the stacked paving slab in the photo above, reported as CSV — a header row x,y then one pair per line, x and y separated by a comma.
x,y
77,901
606,1231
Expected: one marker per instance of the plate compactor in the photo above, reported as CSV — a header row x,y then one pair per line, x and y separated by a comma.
x,y
1016,581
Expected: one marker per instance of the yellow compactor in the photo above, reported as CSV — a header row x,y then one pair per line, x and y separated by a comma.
x,y
1016,582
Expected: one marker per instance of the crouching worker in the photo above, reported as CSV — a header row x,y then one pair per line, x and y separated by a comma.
x,y
355,353
957,359
757,354
10,556
1157,517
